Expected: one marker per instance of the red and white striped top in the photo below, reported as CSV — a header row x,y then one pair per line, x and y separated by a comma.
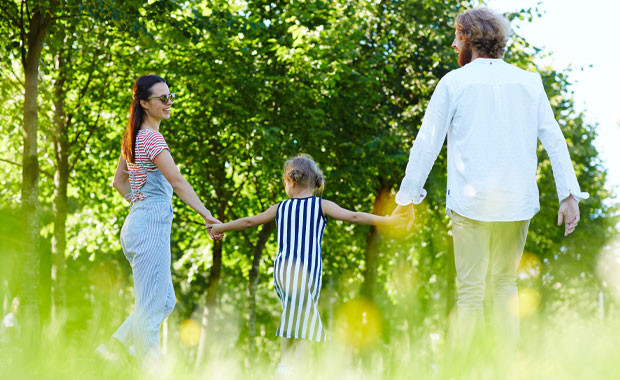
x,y
150,143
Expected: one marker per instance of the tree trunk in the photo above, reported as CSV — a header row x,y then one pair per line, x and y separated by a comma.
x,y
59,203
371,254
216,271
209,309
38,27
59,240
372,260
253,282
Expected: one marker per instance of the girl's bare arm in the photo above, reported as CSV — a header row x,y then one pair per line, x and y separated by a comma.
x,y
333,210
247,222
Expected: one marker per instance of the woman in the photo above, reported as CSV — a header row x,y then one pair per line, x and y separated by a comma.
x,y
146,176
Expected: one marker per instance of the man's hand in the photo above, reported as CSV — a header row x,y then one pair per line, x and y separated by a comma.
x,y
405,212
569,214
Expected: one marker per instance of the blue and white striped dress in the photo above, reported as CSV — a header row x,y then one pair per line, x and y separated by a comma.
x,y
297,270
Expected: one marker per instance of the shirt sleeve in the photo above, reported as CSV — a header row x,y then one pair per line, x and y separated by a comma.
x,y
154,144
553,141
426,146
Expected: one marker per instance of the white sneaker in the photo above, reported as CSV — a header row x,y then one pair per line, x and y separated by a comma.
x,y
104,353
283,371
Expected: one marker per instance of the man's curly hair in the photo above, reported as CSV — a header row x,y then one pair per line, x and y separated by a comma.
x,y
486,31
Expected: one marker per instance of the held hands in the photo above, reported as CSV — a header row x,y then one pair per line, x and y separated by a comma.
x,y
215,230
403,215
210,222
569,214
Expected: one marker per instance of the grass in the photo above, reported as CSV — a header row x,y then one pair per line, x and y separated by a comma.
x,y
559,346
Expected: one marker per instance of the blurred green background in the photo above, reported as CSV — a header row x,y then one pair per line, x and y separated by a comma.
x,y
257,82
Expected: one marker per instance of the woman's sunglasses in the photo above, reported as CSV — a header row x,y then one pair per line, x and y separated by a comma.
x,y
164,98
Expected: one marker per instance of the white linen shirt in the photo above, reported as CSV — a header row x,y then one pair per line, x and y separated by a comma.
x,y
493,114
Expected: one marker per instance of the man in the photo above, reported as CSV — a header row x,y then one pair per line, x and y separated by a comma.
x,y
493,113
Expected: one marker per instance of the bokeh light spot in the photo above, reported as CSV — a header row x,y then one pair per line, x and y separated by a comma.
x,y
526,303
189,332
385,205
357,324
529,267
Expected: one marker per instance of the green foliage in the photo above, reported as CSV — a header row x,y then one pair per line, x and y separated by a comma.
x,y
256,83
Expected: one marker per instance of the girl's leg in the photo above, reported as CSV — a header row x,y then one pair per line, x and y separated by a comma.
x,y
294,356
284,369
286,346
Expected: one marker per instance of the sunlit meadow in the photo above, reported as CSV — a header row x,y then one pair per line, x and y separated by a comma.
x,y
345,81
573,336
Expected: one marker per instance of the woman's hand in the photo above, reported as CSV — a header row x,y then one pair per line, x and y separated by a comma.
x,y
215,230
211,222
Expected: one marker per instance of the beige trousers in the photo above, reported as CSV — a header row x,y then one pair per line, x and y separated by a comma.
x,y
475,244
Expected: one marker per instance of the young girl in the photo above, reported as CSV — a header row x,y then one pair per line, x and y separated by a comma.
x,y
297,273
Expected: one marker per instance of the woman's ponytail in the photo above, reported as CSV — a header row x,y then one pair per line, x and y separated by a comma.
x,y
141,91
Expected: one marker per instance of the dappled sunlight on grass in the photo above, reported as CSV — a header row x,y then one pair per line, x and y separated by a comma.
x,y
557,347
608,267
529,267
404,280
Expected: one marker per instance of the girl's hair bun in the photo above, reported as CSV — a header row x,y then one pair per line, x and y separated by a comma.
x,y
302,170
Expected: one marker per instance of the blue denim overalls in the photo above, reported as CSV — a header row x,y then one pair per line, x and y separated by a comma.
x,y
145,238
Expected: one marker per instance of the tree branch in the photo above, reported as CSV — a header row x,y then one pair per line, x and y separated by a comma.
x,y
257,187
243,232
27,9
92,130
85,87
22,31
17,78
11,162
90,76
190,221
10,17
70,16
47,174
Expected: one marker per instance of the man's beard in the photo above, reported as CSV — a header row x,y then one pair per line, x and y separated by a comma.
x,y
465,54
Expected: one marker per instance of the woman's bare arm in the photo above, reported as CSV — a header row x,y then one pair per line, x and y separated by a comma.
x,y
181,187
121,178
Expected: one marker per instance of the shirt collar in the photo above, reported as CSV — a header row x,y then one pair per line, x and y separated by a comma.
x,y
487,61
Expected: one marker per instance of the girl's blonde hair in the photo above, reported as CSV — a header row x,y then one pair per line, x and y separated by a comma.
x,y
304,171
